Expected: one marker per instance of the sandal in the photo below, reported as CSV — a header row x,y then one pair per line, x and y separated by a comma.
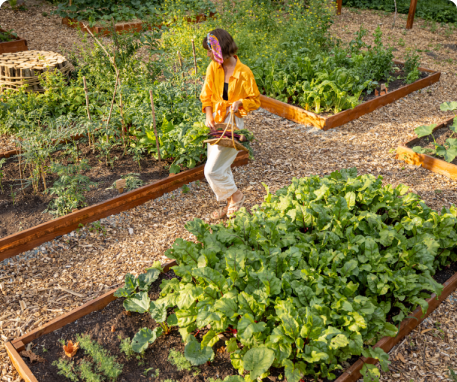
x,y
219,214
234,208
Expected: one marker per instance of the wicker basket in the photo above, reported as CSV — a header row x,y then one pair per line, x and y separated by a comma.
x,y
24,68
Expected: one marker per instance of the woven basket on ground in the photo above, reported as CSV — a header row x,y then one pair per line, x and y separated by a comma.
x,y
18,69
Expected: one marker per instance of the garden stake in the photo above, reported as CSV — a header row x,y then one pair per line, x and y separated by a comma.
x,y
395,15
195,64
155,129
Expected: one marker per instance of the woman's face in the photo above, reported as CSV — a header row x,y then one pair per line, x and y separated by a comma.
x,y
210,54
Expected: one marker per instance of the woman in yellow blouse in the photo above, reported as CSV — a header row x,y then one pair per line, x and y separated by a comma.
x,y
229,86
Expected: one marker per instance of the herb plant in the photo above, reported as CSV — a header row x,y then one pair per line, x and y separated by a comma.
x,y
66,369
69,188
317,274
104,363
448,151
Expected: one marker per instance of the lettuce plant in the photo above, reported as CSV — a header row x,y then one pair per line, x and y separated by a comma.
x,y
317,274
448,151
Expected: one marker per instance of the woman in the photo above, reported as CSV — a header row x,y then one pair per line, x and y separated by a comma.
x,y
229,87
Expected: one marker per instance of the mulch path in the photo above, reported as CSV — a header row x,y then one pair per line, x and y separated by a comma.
x,y
89,263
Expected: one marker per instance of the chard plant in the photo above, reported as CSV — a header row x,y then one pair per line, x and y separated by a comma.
x,y
447,151
314,276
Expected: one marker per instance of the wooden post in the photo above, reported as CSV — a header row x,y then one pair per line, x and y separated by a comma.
x,y
412,12
155,129
339,4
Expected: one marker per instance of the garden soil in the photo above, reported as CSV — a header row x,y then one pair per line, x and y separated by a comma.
x,y
22,208
99,326
88,264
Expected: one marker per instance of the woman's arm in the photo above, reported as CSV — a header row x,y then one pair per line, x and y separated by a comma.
x,y
209,118
206,98
251,101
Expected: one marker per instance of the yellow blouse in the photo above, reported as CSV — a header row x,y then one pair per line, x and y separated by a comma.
x,y
242,87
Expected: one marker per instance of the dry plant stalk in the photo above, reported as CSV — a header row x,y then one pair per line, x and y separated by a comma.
x,y
118,79
195,65
180,63
155,128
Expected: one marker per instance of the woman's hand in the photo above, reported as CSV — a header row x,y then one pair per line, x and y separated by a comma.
x,y
210,119
210,122
236,105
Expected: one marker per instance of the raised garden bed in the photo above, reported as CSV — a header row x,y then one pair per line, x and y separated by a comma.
x,y
435,164
97,313
133,26
32,237
324,122
16,44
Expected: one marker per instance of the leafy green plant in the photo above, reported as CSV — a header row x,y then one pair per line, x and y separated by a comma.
x,y
86,373
7,36
411,68
452,374
448,151
178,359
103,361
66,369
155,374
312,277
69,188
126,347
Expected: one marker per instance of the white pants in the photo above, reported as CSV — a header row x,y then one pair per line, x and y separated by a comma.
x,y
218,170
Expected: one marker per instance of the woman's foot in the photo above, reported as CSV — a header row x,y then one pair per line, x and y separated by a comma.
x,y
235,203
219,213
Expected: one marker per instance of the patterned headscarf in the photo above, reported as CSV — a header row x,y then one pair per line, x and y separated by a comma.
x,y
213,44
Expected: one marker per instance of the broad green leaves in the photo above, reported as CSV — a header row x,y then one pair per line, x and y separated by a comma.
x,y
423,130
448,106
139,303
258,360
197,354
310,276
144,338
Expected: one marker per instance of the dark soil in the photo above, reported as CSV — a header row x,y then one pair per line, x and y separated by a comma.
x,y
440,136
20,210
99,326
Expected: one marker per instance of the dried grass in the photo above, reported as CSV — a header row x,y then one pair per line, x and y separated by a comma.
x,y
81,267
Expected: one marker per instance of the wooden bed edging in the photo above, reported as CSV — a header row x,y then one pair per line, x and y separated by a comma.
x,y
22,241
14,347
302,116
136,26
439,166
17,45
351,374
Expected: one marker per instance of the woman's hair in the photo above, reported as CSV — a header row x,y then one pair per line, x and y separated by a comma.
x,y
228,46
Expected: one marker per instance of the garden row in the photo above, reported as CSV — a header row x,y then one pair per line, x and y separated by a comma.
x,y
116,128
442,11
325,271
